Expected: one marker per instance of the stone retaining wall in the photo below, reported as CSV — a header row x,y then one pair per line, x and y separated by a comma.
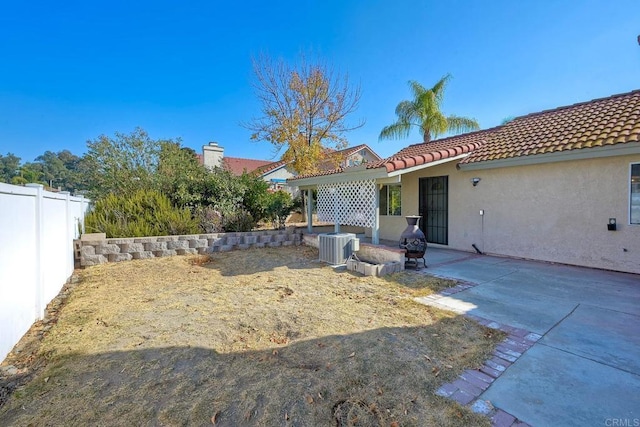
x,y
93,252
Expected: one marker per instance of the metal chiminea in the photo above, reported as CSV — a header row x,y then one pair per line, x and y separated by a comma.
x,y
414,242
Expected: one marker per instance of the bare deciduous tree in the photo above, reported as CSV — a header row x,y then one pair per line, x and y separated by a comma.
x,y
304,110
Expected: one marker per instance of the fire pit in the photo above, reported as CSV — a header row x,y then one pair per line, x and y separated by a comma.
x,y
414,242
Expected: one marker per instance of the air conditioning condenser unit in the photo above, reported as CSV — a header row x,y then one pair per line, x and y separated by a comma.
x,y
335,248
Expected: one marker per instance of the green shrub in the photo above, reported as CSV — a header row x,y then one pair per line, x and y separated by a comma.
x,y
279,207
142,213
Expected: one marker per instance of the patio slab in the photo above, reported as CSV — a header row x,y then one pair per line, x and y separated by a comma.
x,y
551,387
585,369
604,336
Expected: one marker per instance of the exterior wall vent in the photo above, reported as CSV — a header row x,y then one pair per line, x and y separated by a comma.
x,y
335,248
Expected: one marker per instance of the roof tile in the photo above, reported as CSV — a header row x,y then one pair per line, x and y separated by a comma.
x,y
606,121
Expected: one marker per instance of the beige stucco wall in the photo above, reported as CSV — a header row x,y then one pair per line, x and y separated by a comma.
x,y
553,212
362,156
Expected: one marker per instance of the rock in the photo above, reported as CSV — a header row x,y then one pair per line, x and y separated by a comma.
x,y
482,407
9,370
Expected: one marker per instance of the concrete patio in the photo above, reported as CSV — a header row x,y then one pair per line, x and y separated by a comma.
x,y
585,370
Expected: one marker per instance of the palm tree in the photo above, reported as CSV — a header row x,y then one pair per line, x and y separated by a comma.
x,y
424,112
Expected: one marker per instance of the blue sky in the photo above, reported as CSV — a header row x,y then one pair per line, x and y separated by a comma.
x,y
71,71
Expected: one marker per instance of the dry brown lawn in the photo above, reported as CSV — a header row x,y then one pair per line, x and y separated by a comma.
x,y
265,337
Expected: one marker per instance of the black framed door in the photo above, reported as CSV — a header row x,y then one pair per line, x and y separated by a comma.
x,y
434,209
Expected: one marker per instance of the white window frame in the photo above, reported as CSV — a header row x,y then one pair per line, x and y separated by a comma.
x,y
631,165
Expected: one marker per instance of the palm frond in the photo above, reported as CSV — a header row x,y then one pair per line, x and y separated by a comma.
x,y
440,86
416,89
458,124
396,130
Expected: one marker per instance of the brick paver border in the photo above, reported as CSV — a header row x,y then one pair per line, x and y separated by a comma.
x,y
467,388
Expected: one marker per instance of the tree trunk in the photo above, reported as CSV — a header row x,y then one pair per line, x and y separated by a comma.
x,y
426,136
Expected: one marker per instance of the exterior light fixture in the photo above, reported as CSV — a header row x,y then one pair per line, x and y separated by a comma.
x,y
475,181
611,226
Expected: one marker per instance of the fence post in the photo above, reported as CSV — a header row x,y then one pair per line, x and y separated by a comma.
x,y
39,302
81,219
67,215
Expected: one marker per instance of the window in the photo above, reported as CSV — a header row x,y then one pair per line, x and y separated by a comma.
x,y
390,200
634,199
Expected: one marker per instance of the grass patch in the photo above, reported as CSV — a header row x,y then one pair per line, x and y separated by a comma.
x,y
257,337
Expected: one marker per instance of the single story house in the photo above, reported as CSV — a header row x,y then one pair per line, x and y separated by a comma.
x,y
560,185
276,173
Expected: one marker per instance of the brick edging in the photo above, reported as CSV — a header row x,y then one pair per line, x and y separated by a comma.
x,y
469,385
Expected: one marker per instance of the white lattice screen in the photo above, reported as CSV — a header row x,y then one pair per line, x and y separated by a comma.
x,y
348,203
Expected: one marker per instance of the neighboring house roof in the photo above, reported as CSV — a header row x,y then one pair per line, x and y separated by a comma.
x,y
269,167
353,150
597,123
418,154
238,166
335,158
600,122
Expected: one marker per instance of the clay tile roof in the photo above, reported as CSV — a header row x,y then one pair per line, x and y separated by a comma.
x,y
596,123
441,149
237,165
269,167
423,153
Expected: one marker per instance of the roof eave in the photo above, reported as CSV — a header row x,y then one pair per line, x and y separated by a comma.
x,y
628,148
363,174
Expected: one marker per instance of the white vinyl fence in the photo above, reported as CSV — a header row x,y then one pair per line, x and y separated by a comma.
x,y
37,229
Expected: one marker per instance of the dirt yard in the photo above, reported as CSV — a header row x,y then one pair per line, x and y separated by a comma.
x,y
263,337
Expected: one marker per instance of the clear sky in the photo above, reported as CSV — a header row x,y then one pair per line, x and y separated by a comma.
x,y
71,71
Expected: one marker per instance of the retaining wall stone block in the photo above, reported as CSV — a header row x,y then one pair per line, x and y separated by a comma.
x,y
120,257
178,244
145,240
216,241
120,241
279,237
233,240
131,247
198,243
90,260
187,251
106,249
265,239
155,246
226,248
189,237
250,240
87,251
389,268
165,252
143,255
274,244
243,246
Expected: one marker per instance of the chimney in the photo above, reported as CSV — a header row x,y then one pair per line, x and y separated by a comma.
x,y
212,155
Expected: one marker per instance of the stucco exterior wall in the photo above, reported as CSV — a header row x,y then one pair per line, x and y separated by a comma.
x,y
552,212
359,157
